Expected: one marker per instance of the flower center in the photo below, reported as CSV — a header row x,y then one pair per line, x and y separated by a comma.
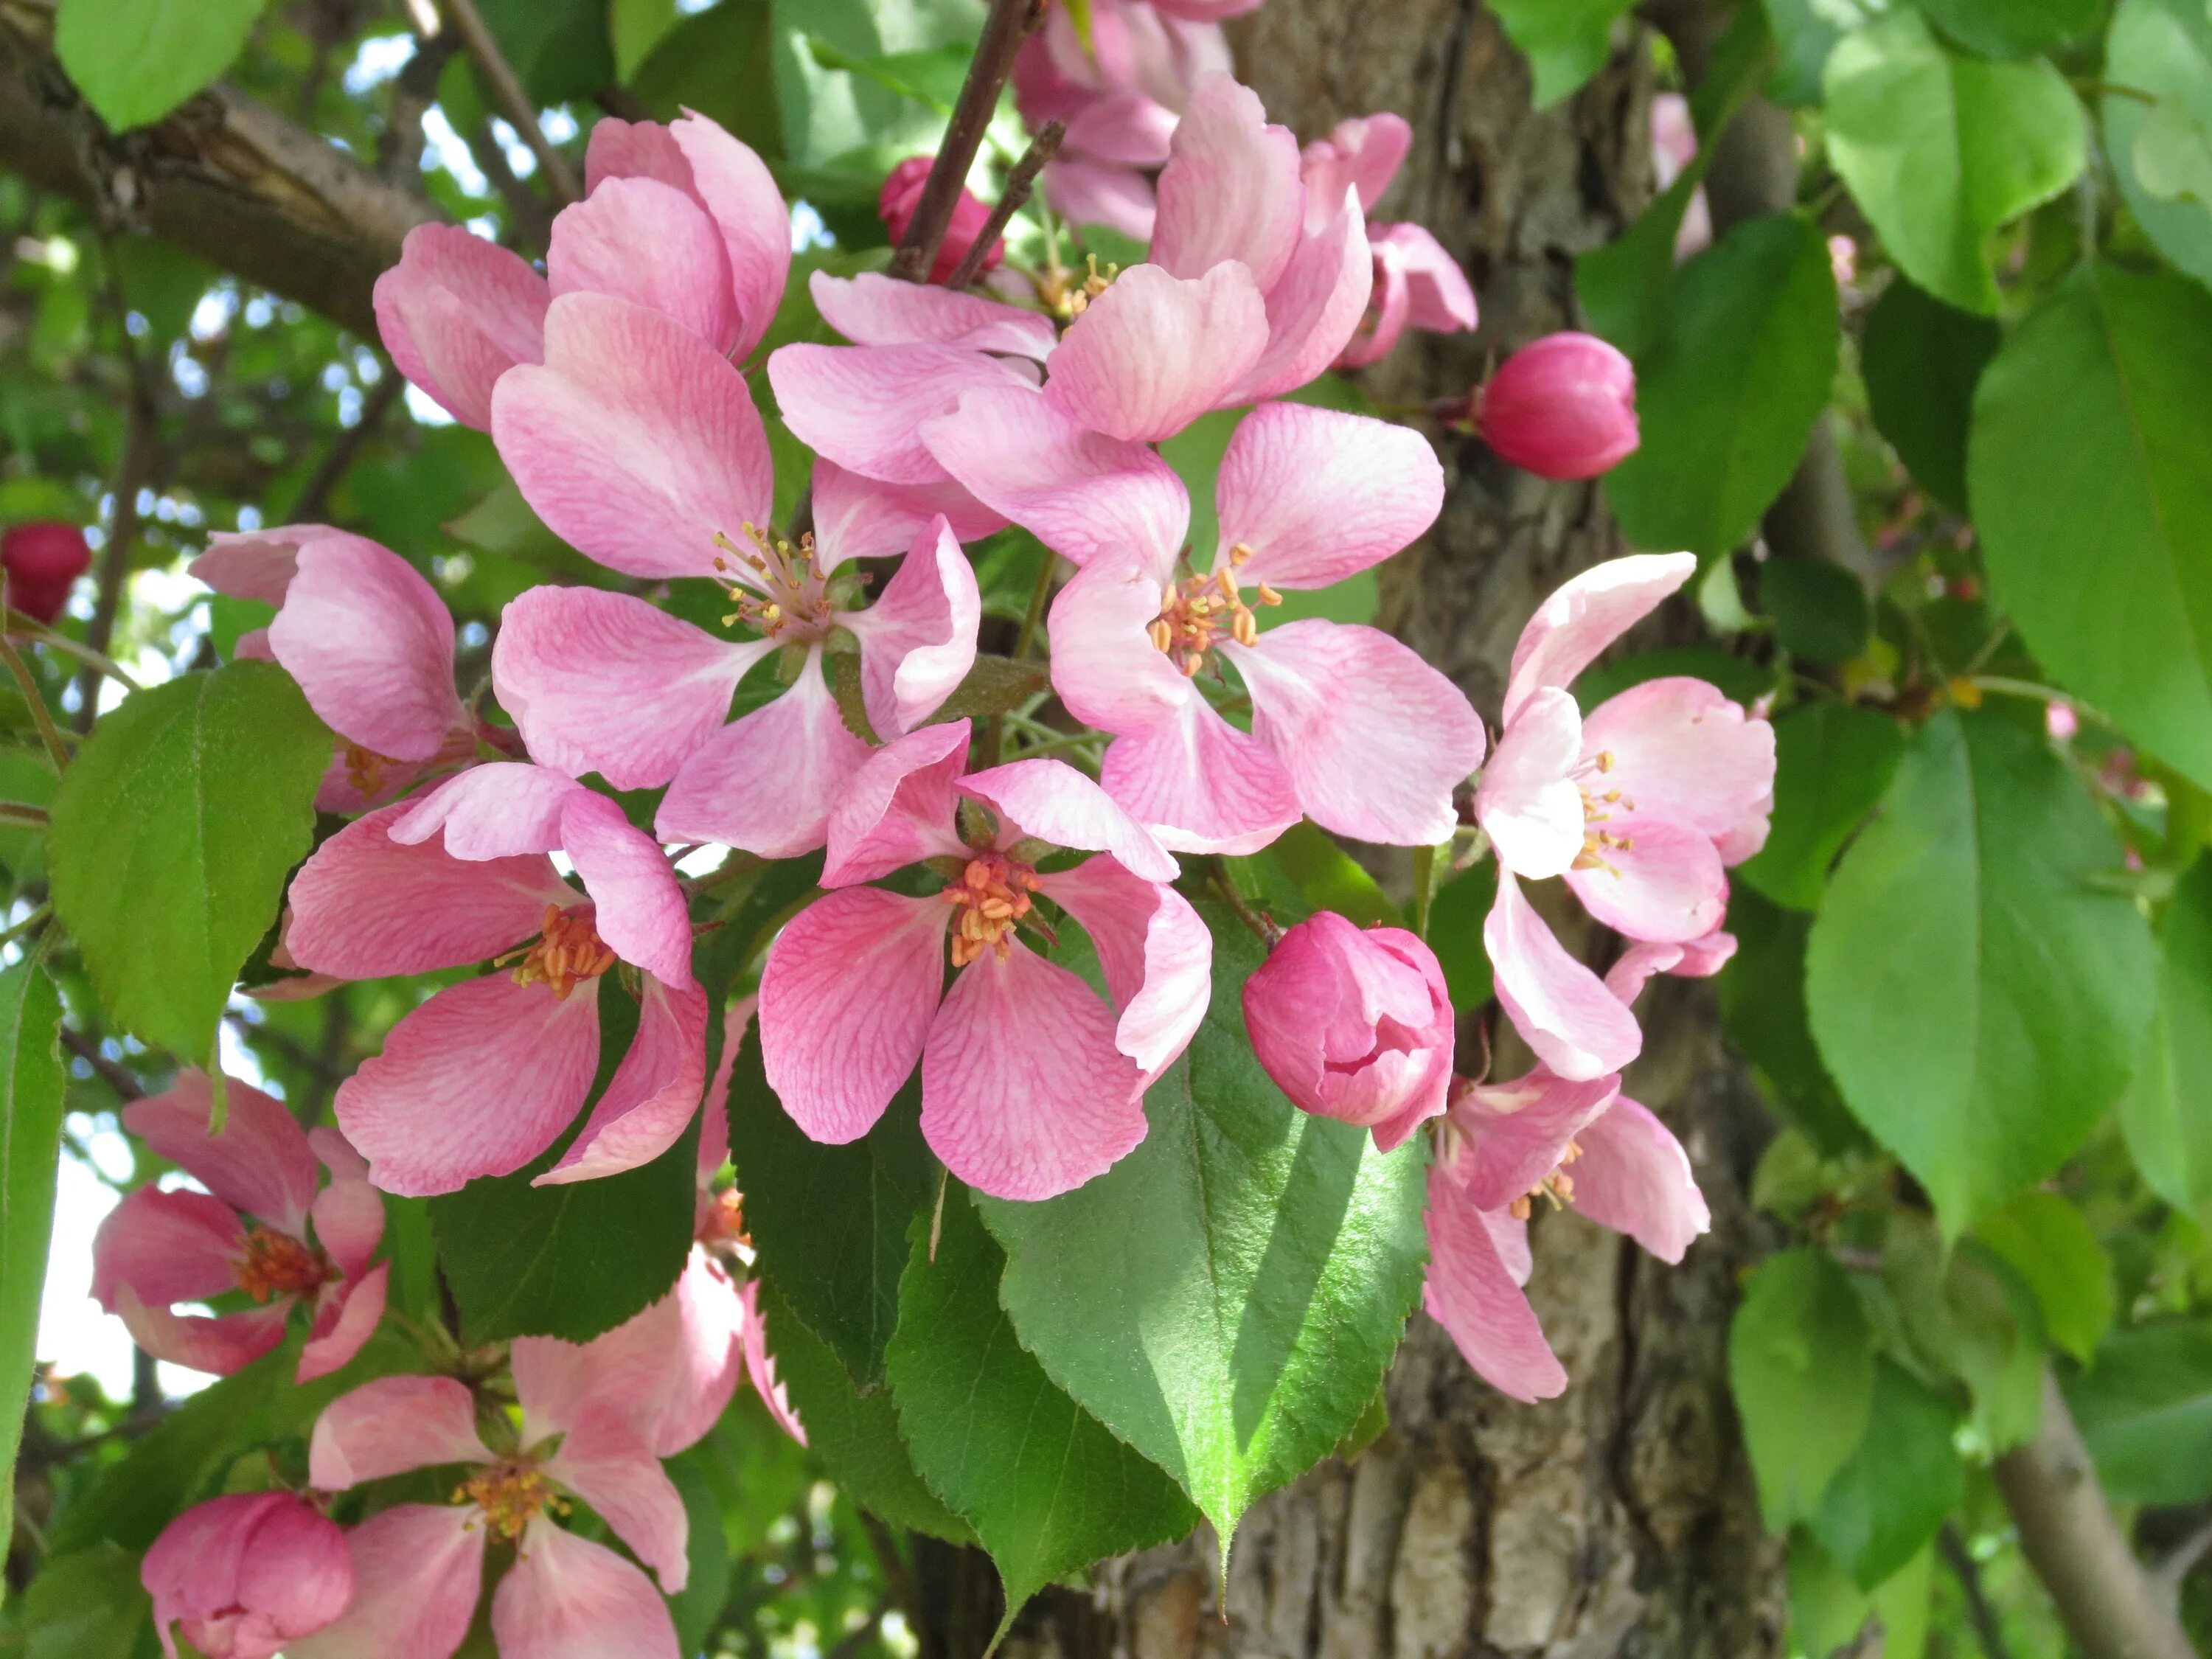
x,y
568,950
277,1264
778,590
510,1493
1195,610
1066,294
365,768
992,896
1598,806
1558,1187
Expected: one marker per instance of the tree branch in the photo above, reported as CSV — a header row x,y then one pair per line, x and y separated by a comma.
x,y
118,1078
1019,182
314,499
1010,23
507,93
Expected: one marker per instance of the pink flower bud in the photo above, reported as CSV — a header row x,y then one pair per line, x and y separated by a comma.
x,y
1354,1024
247,1574
902,196
42,562
1563,408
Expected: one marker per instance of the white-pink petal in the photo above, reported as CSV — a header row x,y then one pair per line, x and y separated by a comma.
x,y
1230,189
1518,1133
1154,950
1528,802
568,1598
654,1094
1634,1178
1316,495
1155,351
1680,750
766,783
1199,785
418,1568
1562,1010
918,639
651,244
638,904
858,518
863,407
390,1425
1315,309
737,189
872,309
260,1163
1049,799
1104,665
1655,880
898,808
1472,1293
1586,615
456,313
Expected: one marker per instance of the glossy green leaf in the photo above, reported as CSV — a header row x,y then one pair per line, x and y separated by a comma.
x,y
1903,1477
2164,1112
136,60
1566,41
1264,1263
172,835
1833,763
2047,1243
32,1081
1941,148
1800,1365
1328,877
2145,1408
718,63
1762,996
1904,1604
635,27
1047,1488
88,1604
2011,28
1819,610
1979,1002
1923,359
2158,150
1728,387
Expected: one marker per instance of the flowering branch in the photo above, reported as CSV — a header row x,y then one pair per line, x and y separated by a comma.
x,y
1019,183
1009,26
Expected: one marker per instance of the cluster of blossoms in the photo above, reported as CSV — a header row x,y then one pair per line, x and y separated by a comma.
x,y
620,388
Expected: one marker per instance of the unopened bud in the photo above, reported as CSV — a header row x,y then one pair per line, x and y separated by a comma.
x,y
1562,408
901,199
42,562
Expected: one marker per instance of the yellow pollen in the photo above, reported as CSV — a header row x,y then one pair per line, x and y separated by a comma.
x,y
1558,1189
1605,762
1196,611
365,768
993,896
1076,297
568,950
776,586
277,1264
509,1494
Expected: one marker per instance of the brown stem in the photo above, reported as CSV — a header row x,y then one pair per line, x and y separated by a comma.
x,y
1982,1616
507,92
1019,183
134,468
118,1078
40,715
315,498
1010,23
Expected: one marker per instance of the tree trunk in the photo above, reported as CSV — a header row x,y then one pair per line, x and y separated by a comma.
x,y
1620,1519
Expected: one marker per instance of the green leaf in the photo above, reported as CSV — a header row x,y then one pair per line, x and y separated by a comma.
x,y
1833,763
1329,878
1826,1610
1978,1002
1886,1501
136,60
1819,610
634,27
1969,1315
562,49
698,1606
1805,32
718,63
831,1223
1566,41
2163,1113
2011,28
171,838
1941,148
32,1083
1745,681
1264,1265
1801,1364
86,1605
1902,1603
2163,48
2145,1408
1046,1487
2050,1245
1923,359
1456,934
1762,995
1730,387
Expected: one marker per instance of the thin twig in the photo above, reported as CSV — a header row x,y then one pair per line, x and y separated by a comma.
x,y
40,715
507,92
1978,1609
118,1078
314,500
1010,23
1263,927
133,468
16,812
23,626
38,918
2167,1576
1019,183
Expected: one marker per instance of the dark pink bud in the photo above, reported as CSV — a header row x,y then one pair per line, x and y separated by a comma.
x,y
1354,1024
901,196
244,1575
1563,408
42,562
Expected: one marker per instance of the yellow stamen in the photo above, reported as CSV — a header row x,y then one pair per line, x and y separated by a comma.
x,y
568,950
993,896
277,1264
510,1494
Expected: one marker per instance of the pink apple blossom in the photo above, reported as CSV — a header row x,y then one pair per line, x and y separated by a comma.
x,y
1563,407
1031,1083
419,1567
1349,727
1353,1023
260,1228
901,199
480,1079
247,1575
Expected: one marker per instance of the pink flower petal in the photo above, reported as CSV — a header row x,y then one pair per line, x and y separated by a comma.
x,y
167,1247
649,243
1155,351
390,1425
1318,496
1375,740
1315,310
1085,495
349,1318
636,442
1680,750
1634,1178
1441,300
502,810
654,1094
606,683
638,905
1528,802
568,1598
863,407
1472,1294
898,808
456,313
1154,952
760,1366
366,905
418,1568
634,149
255,564
247,1574
477,1081
1561,1009
1201,786
1661,882
1104,665
858,518
766,783
260,1163
1518,1133
918,639
1230,189
846,1001
1362,154
1388,306
1586,615
1051,801
348,1215
605,1461
1095,194
872,309
221,1345
1027,1120
736,188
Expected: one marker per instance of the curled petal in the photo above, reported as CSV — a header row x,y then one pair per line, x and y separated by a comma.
x,y
654,1094
898,808
1316,495
634,149
568,1598
372,645
1528,802
736,188
1470,1292
167,1247
456,313
247,1574
638,904
260,1163
501,811
918,639
418,1568
1201,786
1156,351
1561,1009
390,1425
649,243
1634,1178
1154,952
1440,299
1586,615
221,1345
863,407
1364,154
348,1215
347,1319
858,518
1315,310
1051,801
1679,750
1230,189
1701,958
872,309
257,564
1518,1133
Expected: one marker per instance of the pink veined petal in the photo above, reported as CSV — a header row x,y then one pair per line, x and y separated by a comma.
x,y
1201,786
760,1367
1561,1009
636,441
638,905
366,905
1528,803
1699,958
1051,801
1586,615
568,1598
1375,740
349,1219
766,783
710,1334
898,808
872,309
296,1577
456,312
1663,882
1634,1178
1318,496
260,1163
846,1001
1363,153
348,1319
222,1344
1104,665
1027,1120
1388,305
477,1081
605,1461
918,639
1126,131
246,1573
1154,952
167,1247
256,564
390,1425
1155,351
1230,189
858,518
740,193
1682,751
651,244
1085,496
654,1094
418,1568
1315,310
634,149
1471,1293
1518,1132
863,407
1440,299
606,683
503,810
1102,193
